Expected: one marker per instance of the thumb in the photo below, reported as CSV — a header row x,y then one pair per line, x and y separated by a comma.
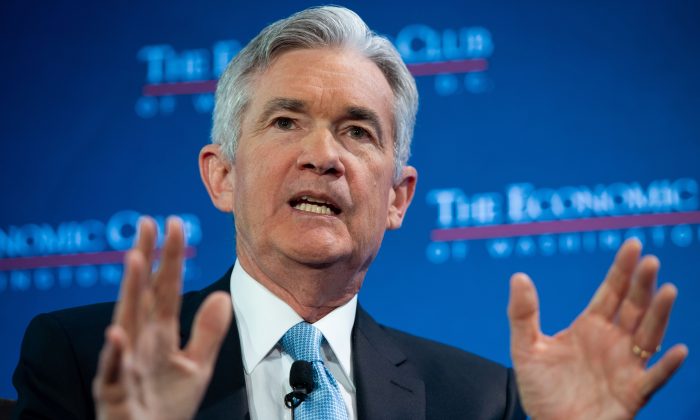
x,y
210,326
523,312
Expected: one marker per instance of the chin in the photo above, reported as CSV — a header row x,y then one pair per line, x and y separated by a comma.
x,y
318,255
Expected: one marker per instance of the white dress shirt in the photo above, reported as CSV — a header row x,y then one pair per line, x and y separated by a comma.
x,y
262,319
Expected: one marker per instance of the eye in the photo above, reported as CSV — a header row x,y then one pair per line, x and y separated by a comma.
x,y
358,133
284,123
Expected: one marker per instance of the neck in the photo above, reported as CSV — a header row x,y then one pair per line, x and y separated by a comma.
x,y
312,292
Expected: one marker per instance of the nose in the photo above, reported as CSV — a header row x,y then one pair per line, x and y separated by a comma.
x,y
320,153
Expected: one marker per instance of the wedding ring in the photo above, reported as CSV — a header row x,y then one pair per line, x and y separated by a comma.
x,y
644,354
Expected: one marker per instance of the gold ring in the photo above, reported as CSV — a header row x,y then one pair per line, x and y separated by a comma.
x,y
644,354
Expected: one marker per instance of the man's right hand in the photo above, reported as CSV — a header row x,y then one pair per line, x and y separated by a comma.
x,y
142,372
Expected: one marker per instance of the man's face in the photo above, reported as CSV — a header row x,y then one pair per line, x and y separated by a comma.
x,y
312,179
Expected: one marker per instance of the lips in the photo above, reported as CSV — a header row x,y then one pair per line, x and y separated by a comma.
x,y
315,203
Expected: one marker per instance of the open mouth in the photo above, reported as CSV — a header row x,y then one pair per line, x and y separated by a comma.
x,y
314,205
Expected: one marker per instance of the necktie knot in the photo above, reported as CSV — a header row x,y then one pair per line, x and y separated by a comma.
x,y
303,342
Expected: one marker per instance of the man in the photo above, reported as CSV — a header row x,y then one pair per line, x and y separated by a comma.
x,y
311,136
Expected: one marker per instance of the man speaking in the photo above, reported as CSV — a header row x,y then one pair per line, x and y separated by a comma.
x,y
311,138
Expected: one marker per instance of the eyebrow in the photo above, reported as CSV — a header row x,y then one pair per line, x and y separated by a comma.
x,y
357,113
281,104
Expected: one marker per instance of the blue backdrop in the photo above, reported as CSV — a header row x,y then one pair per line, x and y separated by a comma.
x,y
548,132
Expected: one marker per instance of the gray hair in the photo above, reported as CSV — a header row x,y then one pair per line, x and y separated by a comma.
x,y
317,27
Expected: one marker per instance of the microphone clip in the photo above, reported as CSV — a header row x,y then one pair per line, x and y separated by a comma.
x,y
294,398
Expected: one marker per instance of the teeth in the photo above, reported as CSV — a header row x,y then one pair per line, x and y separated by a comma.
x,y
312,208
314,200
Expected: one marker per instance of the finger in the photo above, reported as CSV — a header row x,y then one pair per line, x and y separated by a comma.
x,y
136,274
128,307
640,293
653,325
609,295
210,327
110,356
146,241
107,385
656,376
523,312
167,283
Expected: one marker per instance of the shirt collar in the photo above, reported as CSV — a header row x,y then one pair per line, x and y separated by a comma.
x,y
263,318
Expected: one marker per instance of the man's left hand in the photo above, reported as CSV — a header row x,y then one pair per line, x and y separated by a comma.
x,y
597,367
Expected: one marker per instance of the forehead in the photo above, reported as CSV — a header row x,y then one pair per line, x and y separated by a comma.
x,y
328,80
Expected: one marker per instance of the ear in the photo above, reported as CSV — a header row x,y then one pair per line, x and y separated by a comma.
x,y
401,196
218,176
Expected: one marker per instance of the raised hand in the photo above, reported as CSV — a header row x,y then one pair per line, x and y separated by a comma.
x,y
142,372
597,367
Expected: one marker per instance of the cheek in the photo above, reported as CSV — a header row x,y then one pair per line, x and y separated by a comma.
x,y
261,182
375,199
246,180
252,171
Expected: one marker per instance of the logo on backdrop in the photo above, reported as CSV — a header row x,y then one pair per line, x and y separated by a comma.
x,y
79,253
528,220
457,60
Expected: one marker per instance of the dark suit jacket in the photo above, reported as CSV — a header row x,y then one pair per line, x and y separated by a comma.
x,y
397,376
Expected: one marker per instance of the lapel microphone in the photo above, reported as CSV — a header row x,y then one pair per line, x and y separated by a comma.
x,y
301,378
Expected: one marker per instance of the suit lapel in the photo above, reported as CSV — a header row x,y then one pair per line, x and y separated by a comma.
x,y
387,386
226,396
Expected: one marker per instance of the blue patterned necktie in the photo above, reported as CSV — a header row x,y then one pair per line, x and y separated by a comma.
x,y
303,342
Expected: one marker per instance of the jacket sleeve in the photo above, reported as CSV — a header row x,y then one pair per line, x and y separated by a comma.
x,y
514,411
48,379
